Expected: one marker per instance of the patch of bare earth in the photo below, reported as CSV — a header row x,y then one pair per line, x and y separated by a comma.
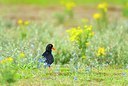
x,y
38,13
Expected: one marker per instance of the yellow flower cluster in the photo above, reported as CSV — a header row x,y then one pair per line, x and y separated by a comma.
x,y
91,34
26,22
87,44
9,59
69,5
74,33
81,36
97,16
103,6
21,22
22,55
101,51
89,29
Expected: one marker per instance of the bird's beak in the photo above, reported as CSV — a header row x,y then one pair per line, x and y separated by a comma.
x,y
53,48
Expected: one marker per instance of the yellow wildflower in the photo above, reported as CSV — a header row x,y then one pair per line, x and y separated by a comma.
x,y
97,16
74,33
26,22
22,55
20,21
87,44
103,6
89,28
91,34
9,59
3,61
70,5
101,51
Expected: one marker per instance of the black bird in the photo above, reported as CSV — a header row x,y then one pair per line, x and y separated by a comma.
x,y
48,55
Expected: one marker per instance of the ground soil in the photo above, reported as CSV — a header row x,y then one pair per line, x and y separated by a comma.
x,y
39,13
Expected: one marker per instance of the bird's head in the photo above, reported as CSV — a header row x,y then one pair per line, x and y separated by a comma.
x,y
49,47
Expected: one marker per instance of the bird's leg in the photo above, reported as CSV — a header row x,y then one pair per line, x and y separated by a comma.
x,y
50,70
49,67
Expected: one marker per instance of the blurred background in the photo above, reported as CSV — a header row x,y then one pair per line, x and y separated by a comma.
x,y
40,10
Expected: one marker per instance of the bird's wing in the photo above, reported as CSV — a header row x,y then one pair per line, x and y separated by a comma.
x,y
45,54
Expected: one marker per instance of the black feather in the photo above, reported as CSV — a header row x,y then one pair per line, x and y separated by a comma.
x,y
48,54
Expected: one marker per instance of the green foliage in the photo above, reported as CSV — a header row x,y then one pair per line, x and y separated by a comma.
x,y
7,73
63,52
56,2
60,18
125,9
101,17
80,37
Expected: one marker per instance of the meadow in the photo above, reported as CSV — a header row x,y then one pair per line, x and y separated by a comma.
x,y
91,42
57,2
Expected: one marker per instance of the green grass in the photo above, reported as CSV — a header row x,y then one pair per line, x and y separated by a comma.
x,y
106,77
33,44
36,2
56,2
